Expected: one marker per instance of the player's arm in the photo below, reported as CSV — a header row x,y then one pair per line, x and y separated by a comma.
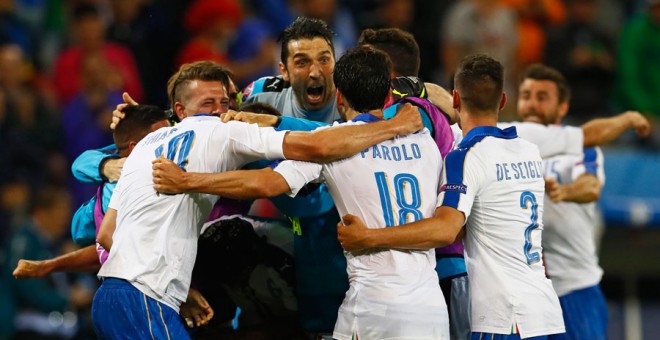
x,y
443,229
443,100
603,130
107,229
81,260
586,188
96,166
339,142
240,184
266,120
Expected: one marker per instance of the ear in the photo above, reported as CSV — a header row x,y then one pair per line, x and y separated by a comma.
x,y
340,100
283,71
131,146
180,110
562,110
503,100
389,100
456,100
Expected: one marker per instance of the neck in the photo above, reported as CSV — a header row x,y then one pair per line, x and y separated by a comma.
x,y
351,113
470,121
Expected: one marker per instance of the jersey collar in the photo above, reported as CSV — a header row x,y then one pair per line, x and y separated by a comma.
x,y
478,133
366,117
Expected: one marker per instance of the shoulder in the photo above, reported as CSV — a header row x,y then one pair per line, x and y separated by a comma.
x,y
265,84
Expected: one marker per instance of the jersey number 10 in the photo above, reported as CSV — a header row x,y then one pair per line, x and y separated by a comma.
x,y
180,144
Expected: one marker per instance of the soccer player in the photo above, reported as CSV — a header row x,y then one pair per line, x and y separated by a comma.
x,y
140,120
404,172
147,274
492,193
573,184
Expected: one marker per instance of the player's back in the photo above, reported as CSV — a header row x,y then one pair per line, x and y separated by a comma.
x,y
569,228
502,174
390,184
155,240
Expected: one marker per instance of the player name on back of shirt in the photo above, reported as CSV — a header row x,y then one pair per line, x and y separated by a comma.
x,y
397,153
519,170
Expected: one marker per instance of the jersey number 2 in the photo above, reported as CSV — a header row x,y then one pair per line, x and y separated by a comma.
x,y
525,198
401,181
181,144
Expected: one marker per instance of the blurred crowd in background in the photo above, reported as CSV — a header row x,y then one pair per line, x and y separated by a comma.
x,y
65,63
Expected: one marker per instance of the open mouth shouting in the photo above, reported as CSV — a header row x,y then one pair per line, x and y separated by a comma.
x,y
314,94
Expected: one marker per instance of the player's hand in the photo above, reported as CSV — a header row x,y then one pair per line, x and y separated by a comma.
x,y
196,311
118,114
111,168
640,123
168,176
554,190
352,233
27,269
408,118
263,120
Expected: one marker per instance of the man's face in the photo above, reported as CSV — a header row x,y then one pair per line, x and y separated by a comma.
x,y
233,96
309,69
538,102
206,97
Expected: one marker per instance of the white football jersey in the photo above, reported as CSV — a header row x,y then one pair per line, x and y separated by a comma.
x,y
155,241
568,239
393,294
496,180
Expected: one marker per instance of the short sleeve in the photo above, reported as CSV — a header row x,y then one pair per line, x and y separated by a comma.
x,y
460,181
116,196
256,142
551,140
592,163
297,174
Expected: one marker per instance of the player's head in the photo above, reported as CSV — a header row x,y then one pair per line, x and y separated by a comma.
x,y
544,95
400,46
308,59
139,121
229,246
199,87
263,108
478,85
362,76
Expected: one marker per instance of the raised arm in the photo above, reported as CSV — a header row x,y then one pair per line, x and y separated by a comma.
x,y
603,130
339,142
443,229
443,100
241,184
95,166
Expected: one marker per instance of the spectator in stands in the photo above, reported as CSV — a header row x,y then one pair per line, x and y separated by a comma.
x,y
42,306
88,31
583,53
639,62
213,24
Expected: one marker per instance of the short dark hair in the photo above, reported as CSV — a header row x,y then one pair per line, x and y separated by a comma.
x,y
200,70
400,46
362,75
305,28
479,80
260,107
83,11
136,125
543,72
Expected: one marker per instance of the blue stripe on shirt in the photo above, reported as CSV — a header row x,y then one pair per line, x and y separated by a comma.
x,y
590,161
